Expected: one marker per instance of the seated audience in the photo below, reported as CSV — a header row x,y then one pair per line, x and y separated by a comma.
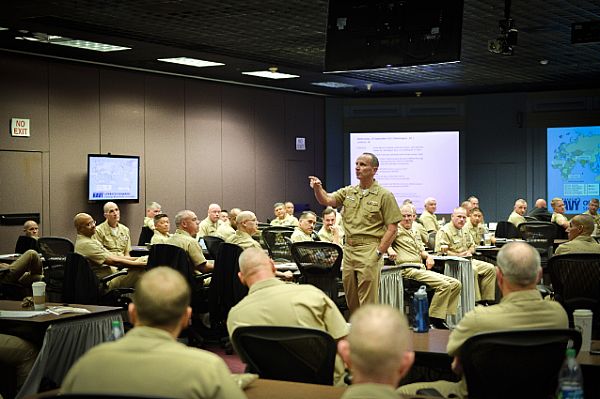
x,y
102,261
521,307
282,218
209,226
474,202
580,237
162,225
228,229
18,355
113,235
461,244
289,208
540,212
428,217
306,227
273,302
331,231
377,351
518,214
408,248
152,210
148,360
417,228
467,206
31,229
475,227
247,226
186,223
224,216
593,212
558,215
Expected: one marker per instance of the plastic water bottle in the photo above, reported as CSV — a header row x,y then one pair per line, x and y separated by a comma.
x,y
421,308
117,330
570,379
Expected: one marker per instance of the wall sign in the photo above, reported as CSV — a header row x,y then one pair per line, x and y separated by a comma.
x,y
19,127
300,143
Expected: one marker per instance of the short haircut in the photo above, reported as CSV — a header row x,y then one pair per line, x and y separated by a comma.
x,y
161,297
474,210
595,201
460,208
586,222
159,216
408,207
428,200
555,201
328,210
277,205
181,215
374,159
306,214
378,338
108,205
520,201
520,263
154,205
252,260
243,216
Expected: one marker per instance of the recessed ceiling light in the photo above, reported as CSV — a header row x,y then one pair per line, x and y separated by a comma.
x,y
3,28
271,74
190,62
86,45
332,85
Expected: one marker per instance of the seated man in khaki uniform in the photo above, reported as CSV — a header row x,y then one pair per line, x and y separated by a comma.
x,y
186,223
152,210
31,229
593,212
162,225
306,227
209,226
475,227
282,218
408,248
113,235
580,237
247,226
460,243
558,215
273,302
331,230
377,352
428,217
518,214
521,307
226,230
26,270
148,360
102,261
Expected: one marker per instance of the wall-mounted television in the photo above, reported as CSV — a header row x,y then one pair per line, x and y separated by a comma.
x,y
113,178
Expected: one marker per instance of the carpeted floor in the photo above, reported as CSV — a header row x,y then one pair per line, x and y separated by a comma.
x,y
233,361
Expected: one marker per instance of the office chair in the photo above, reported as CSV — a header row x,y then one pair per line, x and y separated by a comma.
x,y
516,363
431,241
576,283
54,250
297,354
25,243
212,245
145,236
81,285
55,247
319,264
506,229
274,238
539,235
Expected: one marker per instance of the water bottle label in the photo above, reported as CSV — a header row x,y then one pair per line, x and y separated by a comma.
x,y
570,393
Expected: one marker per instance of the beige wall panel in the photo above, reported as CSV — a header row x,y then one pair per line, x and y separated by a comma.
x,y
238,169
24,94
203,146
122,132
74,132
164,143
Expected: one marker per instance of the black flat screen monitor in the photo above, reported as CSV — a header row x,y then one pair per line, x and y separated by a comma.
x,y
113,178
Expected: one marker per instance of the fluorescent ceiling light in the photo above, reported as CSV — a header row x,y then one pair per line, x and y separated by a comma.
x,y
191,62
87,45
3,28
332,85
270,75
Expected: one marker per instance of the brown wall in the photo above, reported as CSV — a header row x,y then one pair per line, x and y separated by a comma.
x,y
199,142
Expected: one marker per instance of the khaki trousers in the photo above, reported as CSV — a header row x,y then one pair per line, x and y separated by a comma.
x,y
447,290
485,280
361,270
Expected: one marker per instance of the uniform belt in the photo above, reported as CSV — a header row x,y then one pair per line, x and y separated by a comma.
x,y
361,240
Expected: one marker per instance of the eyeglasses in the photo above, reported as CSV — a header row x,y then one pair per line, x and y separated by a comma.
x,y
92,223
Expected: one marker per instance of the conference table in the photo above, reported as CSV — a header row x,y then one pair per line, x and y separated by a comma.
x,y
62,339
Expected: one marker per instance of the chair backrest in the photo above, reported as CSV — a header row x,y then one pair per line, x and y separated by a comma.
x,y
174,257
501,364
431,240
212,245
297,354
540,235
319,264
274,238
25,243
145,235
225,290
80,284
506,229
55,247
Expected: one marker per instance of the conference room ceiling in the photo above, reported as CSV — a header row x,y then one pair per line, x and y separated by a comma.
x,y
249,35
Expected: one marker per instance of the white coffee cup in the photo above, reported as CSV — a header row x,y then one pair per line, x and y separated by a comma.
x,y
39,295
582,319
487,238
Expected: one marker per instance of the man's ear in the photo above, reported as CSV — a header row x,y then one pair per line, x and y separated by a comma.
x,y
132,311
241,277
407,361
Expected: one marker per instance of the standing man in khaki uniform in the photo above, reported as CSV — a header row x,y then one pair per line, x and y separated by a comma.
x,y
593,212
306,227
518,214
428,217
371,217
580,237
113,235
460,243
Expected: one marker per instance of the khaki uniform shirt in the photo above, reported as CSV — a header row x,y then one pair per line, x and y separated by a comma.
x,y
149,222
596,221
408,247
95,253
456,240
184,240
420,231
475,232
225,230
273,302
149,362
559,218
429,221
326,235
288,220
159,238
118,243
299,235
579,245
368,212
243,239
516,219
207,228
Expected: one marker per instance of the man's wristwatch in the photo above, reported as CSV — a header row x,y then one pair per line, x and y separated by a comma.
x,y
378,253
